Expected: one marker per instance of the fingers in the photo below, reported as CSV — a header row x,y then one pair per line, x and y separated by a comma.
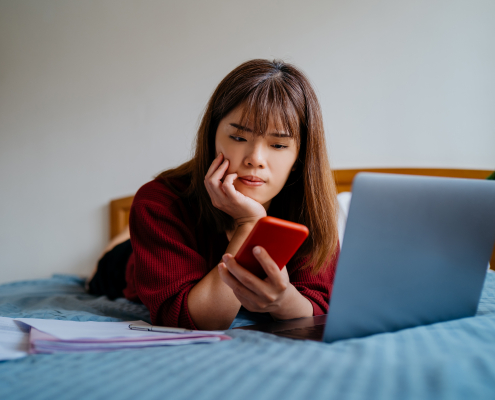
x,y
238,288
253,293
228,185
270,267
214,165
246,278
224,195
213,178
250,300
218,174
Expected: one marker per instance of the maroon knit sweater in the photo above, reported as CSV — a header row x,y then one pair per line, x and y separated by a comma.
x,y
171,253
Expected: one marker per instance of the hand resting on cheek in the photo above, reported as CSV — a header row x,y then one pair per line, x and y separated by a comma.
x,y
225,197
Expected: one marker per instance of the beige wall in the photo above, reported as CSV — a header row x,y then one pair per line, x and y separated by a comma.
x,y
98,96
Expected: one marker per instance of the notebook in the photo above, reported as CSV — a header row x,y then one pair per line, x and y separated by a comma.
x,y
415,252
53,336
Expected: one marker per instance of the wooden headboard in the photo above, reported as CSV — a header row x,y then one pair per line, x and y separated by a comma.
x,y
119,214
344,177
119,208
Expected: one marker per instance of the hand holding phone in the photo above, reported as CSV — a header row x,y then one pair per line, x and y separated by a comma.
x,y
278,237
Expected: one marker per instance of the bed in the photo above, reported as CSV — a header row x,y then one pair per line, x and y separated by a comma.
x,y
449,360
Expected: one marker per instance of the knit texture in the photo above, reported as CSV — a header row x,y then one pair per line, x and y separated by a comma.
x,y
172,252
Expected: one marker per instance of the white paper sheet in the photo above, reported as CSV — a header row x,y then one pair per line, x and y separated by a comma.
x,y
44,343
69,330
73,330
14,341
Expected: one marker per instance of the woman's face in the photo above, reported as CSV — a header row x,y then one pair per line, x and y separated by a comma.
x,y
262,164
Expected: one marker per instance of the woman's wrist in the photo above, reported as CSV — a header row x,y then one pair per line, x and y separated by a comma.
x,y
240,234
248,221
295,305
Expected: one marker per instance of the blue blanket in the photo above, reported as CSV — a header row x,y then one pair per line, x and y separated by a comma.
x,y
450,360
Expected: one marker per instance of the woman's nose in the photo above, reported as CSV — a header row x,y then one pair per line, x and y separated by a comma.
x,y
255,158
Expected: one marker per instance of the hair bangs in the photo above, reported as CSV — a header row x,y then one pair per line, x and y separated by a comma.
x,y
271,102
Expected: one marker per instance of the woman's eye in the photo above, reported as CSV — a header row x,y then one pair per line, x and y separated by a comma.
x,y
237,138
279,146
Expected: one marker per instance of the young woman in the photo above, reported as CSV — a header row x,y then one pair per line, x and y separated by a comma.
x,y
260,150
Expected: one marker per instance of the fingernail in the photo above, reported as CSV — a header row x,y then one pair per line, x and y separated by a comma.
x,y
225,258
256,250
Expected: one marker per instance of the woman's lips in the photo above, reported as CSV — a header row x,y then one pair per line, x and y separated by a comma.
x,y
249,182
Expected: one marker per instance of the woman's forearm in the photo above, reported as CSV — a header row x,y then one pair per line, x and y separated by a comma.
x,y
212,303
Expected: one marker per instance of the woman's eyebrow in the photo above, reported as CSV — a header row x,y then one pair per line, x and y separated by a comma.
x,y
245,128
240,127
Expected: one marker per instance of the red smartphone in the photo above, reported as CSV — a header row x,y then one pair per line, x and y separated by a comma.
x,y
278,237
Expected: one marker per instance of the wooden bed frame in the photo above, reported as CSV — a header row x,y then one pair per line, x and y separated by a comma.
x,y
119,208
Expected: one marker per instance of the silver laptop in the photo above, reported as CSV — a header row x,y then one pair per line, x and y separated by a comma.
x,y
415,252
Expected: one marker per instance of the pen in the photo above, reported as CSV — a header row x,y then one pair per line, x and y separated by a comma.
x,y
158,328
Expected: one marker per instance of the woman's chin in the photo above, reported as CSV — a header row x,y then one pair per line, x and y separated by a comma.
x,y
251,193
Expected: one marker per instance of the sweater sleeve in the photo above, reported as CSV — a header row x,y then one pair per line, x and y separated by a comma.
x,y
316,288
167,264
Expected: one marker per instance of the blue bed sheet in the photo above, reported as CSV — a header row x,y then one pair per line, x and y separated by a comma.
x,y
450,360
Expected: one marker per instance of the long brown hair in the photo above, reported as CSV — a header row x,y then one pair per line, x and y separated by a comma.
x,y
280,91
